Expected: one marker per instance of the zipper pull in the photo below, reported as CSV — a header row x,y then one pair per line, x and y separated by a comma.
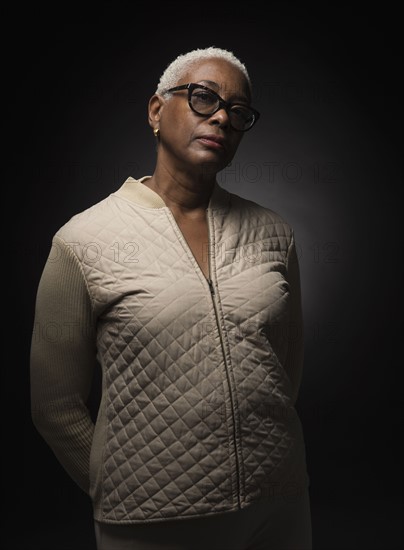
x,y
212,290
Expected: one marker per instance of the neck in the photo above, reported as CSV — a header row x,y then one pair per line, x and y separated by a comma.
x,y
180,192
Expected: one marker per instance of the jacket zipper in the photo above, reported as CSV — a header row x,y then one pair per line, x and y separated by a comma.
x,y
213,296
217,317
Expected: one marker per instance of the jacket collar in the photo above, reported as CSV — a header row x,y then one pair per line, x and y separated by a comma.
x,y
134,191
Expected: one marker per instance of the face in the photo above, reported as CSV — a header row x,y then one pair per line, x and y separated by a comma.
x,y
191,142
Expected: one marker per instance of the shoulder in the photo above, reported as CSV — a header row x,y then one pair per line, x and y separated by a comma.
x,y
255,214
87,224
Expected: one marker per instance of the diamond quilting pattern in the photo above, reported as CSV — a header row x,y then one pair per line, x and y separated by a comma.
x,y
192,385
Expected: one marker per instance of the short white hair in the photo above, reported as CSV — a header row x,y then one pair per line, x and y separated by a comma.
x,y
181,64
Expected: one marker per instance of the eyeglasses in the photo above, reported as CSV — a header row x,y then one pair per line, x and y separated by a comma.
x,y
205,102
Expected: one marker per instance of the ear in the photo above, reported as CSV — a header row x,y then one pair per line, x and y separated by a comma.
x,y
156,103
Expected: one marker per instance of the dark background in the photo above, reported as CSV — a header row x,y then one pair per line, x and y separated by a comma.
x,y
326,154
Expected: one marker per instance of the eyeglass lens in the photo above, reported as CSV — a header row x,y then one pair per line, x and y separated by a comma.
x,y
206,103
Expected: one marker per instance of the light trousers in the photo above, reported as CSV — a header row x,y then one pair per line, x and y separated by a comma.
x,y
283,523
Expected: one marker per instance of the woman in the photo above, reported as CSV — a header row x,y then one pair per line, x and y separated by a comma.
x,y
188,297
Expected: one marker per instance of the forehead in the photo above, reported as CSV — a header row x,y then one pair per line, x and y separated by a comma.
x,y
226,76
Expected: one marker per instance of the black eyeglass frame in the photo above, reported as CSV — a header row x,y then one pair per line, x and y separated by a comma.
x,y
226,105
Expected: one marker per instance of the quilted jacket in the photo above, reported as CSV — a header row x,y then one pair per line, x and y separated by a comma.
x,y
199,376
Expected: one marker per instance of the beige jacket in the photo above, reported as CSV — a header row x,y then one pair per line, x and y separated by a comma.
x,y
199,377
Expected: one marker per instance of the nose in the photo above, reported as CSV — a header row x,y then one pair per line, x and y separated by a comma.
x,y
220,118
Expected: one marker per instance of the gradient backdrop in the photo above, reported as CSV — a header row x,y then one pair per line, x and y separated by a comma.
x,y
325,154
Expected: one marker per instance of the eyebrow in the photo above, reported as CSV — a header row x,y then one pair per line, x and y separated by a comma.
x,y
216,86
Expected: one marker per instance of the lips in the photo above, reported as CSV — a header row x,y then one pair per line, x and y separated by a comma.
x,y
212,141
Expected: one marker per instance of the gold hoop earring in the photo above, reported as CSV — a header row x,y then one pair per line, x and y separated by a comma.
x,y
156,132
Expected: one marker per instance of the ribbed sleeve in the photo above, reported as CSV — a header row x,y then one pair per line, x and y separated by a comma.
x,y
63,356
295,349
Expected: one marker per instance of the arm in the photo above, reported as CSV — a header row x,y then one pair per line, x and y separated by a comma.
x,y
295,351
62,362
